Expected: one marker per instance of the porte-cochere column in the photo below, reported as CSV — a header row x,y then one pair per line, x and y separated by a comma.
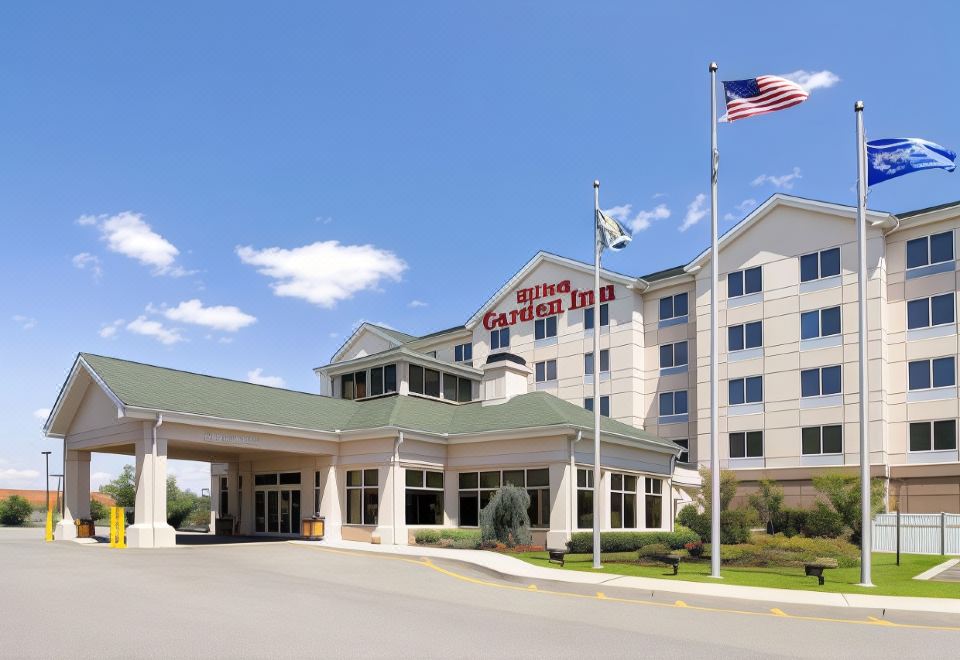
x,y
150,528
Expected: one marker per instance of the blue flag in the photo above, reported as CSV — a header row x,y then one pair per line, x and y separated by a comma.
x,y
893,157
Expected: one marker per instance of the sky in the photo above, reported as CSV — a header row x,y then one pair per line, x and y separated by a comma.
x,y
232,187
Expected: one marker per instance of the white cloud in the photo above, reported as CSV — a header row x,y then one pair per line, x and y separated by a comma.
x,y
41,414
109,330
85,260
128,234
695,212
324,272
746,204
729,217
15,477
98,479
642,219
784,181
219,317
144,326
256,377
416,303
25,322
812,80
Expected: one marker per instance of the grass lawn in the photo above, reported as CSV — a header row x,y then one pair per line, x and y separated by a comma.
x,y
890,579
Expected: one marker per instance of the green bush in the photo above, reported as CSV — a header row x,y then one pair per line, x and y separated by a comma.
x,y
653,550
461,539
734,526
843,493
779,550
15,511
505,519
687,516
582,542
767,500
822,521
790,522
99,511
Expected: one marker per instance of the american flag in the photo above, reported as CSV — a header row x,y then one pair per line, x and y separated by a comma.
x,y
760,95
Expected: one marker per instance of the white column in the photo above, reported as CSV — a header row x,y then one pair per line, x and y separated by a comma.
x,y
560,515
150,528
233,490
246,509
330,500
76,493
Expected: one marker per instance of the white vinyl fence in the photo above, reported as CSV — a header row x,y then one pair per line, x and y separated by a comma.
x,y
920,533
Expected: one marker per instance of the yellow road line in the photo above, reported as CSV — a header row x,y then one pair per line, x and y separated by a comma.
x,y
774,612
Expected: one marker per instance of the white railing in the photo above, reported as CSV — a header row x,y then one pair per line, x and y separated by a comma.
x,y
920,533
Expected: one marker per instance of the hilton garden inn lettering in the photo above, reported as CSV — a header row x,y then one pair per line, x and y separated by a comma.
x,y
554,299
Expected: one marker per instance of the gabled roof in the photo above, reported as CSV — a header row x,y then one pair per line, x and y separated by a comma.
x,y
391,336
929,209
539,258
401,352
145,387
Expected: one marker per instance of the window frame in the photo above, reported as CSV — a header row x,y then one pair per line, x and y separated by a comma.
x,y
928,239
588,317
743,336
587,489
498,343
621,494
735,435
364,489
673,306
604,353
673,354
741,276
652,493
929,308
544,324
820,434
546,371
931,425
463,352
422,488
820,387
604,398
731,383
820,313
543,497
930,373
673,403
683,443
819,255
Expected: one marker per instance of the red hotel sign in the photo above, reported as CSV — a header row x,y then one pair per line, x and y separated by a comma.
x,y
557,293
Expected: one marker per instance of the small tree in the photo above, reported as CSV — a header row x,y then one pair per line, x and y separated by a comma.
x,y
728,489
767,500
123,489
505,518
180,503
843,493
15,511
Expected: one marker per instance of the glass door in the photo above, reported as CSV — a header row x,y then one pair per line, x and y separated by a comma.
x,y
260,506
294,511
273,511
284,511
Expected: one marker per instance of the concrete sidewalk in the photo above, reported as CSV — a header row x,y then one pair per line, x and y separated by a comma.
x,y
513,567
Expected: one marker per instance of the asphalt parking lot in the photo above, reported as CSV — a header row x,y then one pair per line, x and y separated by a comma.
x,y
276,599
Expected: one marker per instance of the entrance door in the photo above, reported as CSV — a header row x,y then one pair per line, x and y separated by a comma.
x,y
260,511
277,511
273,512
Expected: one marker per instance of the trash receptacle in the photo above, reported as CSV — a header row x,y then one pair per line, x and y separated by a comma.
x,y
312,528
224,526
85,529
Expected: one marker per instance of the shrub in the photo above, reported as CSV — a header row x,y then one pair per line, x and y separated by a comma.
x,y
99,511
843,493
790,522
653,550
15,511
687,516
780,550
694,548
823,521
582,542
505,518
728,489
767,501
734,526
461,539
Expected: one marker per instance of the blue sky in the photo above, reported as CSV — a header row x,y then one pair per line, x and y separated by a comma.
x,y
230,187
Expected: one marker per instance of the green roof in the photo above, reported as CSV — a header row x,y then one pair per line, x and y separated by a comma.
x,y
170,390
401,337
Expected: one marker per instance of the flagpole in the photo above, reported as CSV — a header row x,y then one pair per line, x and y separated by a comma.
x,y
865,501
714,344
597,247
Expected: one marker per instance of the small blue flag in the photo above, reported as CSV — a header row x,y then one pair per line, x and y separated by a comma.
x,y
893,157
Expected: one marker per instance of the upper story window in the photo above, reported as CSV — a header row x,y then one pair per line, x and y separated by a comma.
x,y
745,335
820,323
353,386
673,403
822,381
746,390
463,352
685,454
499,338
604,362
747,444
930,250
424,381
673,307
673,355
545,328
588,317
927,312
818,440
545,371
940,435
383,379
928,374
744,282
818,265
457,389
604,405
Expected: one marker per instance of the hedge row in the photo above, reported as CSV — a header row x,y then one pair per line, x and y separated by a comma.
x,y
465,539
582,542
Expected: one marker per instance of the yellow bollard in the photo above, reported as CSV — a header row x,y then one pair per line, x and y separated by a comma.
x,y
113,527
121,527
49,533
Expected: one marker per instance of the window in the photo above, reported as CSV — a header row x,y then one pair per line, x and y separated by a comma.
x,y
316,493
940,435
673,355
584,498
744,282
499,338
744,336
653,502
545,328
265,479
362,497
747,444
476,489
289,478
546,371
604,405
457,389
820,323
224,497
424,381
746,390
818,265
604,362
930,250
353,386
424,497
816,440
673,403
383,379
464,390
927,374
822,381
588,317
685,454
673,307
463,352
623,501
927,312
